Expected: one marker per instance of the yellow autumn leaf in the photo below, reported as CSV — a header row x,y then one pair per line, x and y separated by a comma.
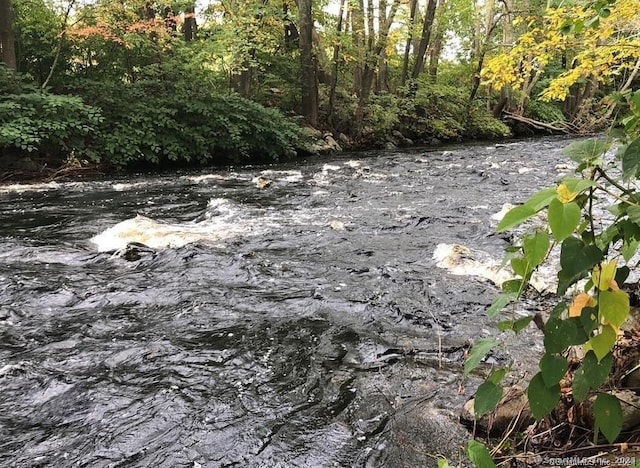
x,y
581,301
604,274
613,285
564,194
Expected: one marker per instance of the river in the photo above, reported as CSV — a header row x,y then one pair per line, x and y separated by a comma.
x,y
282,316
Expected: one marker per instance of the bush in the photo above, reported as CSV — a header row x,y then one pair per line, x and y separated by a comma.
x,y
435,111
481,124
47,125
544,111
161,119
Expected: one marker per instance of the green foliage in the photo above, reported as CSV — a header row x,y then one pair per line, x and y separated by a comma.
x,y
435,111
37,28
479,455
481,124
171,118
542,398
543,111
383,113
591,249
608,416
42,124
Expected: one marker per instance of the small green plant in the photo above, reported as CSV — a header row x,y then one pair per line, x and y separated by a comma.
x,y
594,221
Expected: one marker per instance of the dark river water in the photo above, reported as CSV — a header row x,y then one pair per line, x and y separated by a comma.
x,y
294,325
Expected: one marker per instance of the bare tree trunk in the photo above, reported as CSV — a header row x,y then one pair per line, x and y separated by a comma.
x,y
435,48
59,46
482,44
358,29
434,57
424,38
7,38
190,26
407,47
335,62
308,77
369,70
381,79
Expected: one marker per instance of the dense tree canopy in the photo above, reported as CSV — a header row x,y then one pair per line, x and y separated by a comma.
x,y
374,70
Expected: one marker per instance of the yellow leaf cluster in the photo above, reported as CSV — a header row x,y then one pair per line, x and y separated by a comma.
x,y
564,194
600,52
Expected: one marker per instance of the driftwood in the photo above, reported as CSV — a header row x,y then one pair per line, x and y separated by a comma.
x,y
561,127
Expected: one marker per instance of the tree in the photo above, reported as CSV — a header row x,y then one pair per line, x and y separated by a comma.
x,y
308,75
7,39
424,38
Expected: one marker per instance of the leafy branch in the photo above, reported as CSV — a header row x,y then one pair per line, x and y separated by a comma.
x,y
593,263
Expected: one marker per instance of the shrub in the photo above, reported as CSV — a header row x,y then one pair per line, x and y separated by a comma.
x,y
481,124
159,120
435,111
42,124
544,111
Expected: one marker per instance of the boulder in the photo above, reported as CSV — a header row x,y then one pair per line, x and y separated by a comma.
x,y
419,434
513,408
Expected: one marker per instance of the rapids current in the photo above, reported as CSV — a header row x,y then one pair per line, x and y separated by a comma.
x,y
282,326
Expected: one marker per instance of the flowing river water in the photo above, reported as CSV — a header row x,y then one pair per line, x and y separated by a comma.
x,y
302,324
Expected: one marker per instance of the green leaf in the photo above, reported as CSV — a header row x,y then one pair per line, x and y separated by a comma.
x,y
622,274
633,211
553,368
542,399
515,326
512,286
614,306
576,259
520,266
515,216
589,319
578,185
631,160
586,151
479,455
478,352
608,415
497,375
596,372
500,303
535,247
443,463
580,386
563,218
559,334
603,342
541,199
565,280
487,397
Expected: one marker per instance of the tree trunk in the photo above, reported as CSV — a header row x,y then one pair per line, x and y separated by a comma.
x,y
7,38
336,56
358,28
190,25
308,77
424,38
370,65
434,57
407,47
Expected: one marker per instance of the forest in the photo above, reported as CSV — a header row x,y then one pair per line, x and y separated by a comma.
x,y
143,83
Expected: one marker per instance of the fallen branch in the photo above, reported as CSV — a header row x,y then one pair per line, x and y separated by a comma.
x,y
562,127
